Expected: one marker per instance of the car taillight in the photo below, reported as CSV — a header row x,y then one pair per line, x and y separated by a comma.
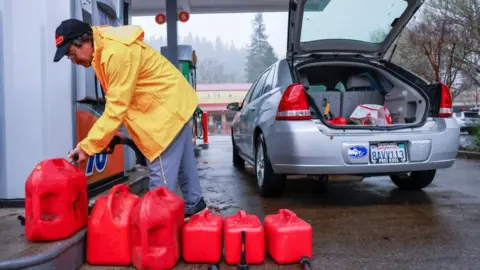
x,y
294,105
446,106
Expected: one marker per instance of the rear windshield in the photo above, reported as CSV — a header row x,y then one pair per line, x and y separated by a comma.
x,y
471,115
368,21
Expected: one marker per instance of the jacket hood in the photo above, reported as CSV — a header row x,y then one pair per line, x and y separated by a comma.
x,y
126,34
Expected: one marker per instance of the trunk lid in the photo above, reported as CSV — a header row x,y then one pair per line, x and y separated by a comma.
x,y
365,27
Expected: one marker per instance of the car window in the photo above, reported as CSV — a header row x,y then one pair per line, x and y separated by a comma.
x,y
317,88
259,87
269,81
380,14
284,76
249,94
340,86
471,114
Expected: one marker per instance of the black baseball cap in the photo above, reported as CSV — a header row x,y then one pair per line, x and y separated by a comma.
x,y
65,33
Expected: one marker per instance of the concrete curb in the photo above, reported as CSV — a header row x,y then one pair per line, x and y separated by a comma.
x,y
468,155
68,254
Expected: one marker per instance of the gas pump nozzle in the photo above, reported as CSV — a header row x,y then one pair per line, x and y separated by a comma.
x,y
121,140
75,158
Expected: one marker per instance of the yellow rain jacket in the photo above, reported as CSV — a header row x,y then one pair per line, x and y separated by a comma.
x,y
143,91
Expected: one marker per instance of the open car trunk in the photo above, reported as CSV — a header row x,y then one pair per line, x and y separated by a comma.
x,y
360,95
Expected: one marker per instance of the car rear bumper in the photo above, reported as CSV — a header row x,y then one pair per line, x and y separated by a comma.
x,y
360,169
303,148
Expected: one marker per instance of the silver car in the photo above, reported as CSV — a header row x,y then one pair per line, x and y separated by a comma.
x,y
296,119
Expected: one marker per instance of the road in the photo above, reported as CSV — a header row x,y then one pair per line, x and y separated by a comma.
x,y
361,225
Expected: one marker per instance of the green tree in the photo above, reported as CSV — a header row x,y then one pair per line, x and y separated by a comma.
x,y
260,52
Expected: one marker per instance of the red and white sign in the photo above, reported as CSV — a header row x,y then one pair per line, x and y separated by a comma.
x,y
183,16
160,18
371,114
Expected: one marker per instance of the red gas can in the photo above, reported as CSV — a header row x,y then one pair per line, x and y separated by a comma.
x,y
338,121
288,237
254,238
202,238
109,228
56,204
157,223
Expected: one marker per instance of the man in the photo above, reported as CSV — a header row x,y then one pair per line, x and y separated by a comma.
x,y
147,94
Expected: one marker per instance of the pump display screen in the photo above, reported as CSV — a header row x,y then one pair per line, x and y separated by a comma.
x,y
105,19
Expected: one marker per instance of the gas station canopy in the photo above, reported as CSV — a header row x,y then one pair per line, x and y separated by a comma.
x,y
153,7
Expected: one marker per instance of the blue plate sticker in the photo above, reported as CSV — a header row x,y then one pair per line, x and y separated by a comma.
x,y
357,151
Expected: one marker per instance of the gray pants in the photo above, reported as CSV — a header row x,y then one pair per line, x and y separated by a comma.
x,y
178,162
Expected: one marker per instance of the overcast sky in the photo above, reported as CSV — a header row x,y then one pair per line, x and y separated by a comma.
x,y
341,19
210,26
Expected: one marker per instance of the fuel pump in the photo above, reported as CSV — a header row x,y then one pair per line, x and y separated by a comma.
x,y
101,169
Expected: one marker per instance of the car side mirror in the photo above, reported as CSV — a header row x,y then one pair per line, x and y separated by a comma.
x,y
235,106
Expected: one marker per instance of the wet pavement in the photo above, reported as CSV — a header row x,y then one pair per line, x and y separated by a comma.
x,y
360,225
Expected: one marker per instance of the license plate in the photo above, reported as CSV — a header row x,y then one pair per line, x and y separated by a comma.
x,y
388,153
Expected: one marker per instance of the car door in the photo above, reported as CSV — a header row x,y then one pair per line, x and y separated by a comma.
x,y
253,110
239,126
247,114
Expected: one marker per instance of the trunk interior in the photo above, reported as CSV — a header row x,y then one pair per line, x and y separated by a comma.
x,y
346,85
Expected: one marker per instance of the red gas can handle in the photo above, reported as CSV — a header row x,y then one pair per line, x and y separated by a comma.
x,y
159,194
63,163
206,213
288,215
242,213
120,188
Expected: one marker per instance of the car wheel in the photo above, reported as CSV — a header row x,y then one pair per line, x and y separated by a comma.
x,y
269,183
414,180
236,158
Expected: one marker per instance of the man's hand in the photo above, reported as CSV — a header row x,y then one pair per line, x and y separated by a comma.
x,y
78,152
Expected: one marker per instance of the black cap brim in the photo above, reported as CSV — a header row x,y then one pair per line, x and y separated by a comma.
x,y
61,52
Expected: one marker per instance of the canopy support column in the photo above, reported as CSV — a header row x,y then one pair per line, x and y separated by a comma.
x,y
172,33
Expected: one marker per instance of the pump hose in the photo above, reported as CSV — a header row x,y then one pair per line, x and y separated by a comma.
x,y
138,154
